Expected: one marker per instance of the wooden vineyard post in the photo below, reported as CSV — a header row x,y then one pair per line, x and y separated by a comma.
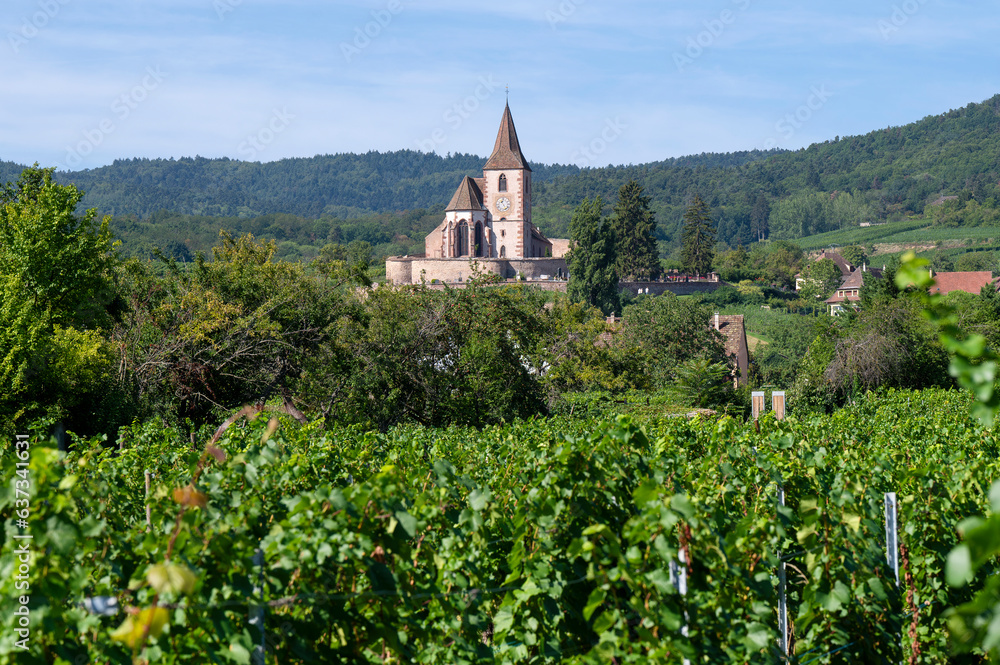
x,y
778,404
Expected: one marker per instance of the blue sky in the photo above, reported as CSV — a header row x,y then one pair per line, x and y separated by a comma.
x,y
592,82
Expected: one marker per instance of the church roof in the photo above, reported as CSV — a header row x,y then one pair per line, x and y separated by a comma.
x,y
507,151
468,197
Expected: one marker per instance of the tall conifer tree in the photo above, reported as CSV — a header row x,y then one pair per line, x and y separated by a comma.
x,y
635,234
698,237
593,278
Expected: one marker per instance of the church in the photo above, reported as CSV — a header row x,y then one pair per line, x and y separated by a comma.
x,y
487,227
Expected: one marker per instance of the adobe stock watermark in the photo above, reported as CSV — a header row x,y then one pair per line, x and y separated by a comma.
x,y
364,35
563,12
256,143
698,44
34,24
587,155
21,484
223,7
901,15
121,108
795,120
459,113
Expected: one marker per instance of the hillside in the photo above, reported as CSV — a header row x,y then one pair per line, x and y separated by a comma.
x,y
392,199
886,174
342,185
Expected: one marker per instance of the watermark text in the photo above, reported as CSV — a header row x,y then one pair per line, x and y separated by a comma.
x,y
34,24
121,108
22,550
363,35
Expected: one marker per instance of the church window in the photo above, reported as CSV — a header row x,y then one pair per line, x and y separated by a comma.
x,y
479,240
503,183
462,239
503,233
503,252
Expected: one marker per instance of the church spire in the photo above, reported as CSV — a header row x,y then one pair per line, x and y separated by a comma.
x,y
507,151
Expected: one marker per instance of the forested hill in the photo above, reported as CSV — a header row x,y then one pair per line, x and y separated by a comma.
x,y
343,185
887,173
392,199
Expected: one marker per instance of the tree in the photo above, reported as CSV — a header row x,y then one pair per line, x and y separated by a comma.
x,y
666,330
759,218
635,234
854,254
888,345
57,297
237,330
782,263
459,356
698,237
822,279
976,261
580,352
593,278
875,291
732,265
701,382
812,177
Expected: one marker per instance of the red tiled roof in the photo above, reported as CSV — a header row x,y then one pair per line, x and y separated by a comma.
x,y
853,281
467,197
836,298
970,282
507,151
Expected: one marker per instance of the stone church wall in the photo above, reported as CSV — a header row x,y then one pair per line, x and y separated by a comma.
x,y
409,270
398,271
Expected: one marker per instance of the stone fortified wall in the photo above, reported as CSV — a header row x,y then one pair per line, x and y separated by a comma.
x,y
409,270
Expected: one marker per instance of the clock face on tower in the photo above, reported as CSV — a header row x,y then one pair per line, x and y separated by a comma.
x,y
503,204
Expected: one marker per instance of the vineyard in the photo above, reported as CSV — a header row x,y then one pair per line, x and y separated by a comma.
x,y
559,540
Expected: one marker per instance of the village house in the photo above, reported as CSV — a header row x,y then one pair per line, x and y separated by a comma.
x,y
849,291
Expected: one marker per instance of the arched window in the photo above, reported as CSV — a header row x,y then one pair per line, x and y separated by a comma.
x,y
479,239
503,183
462,239
503,252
